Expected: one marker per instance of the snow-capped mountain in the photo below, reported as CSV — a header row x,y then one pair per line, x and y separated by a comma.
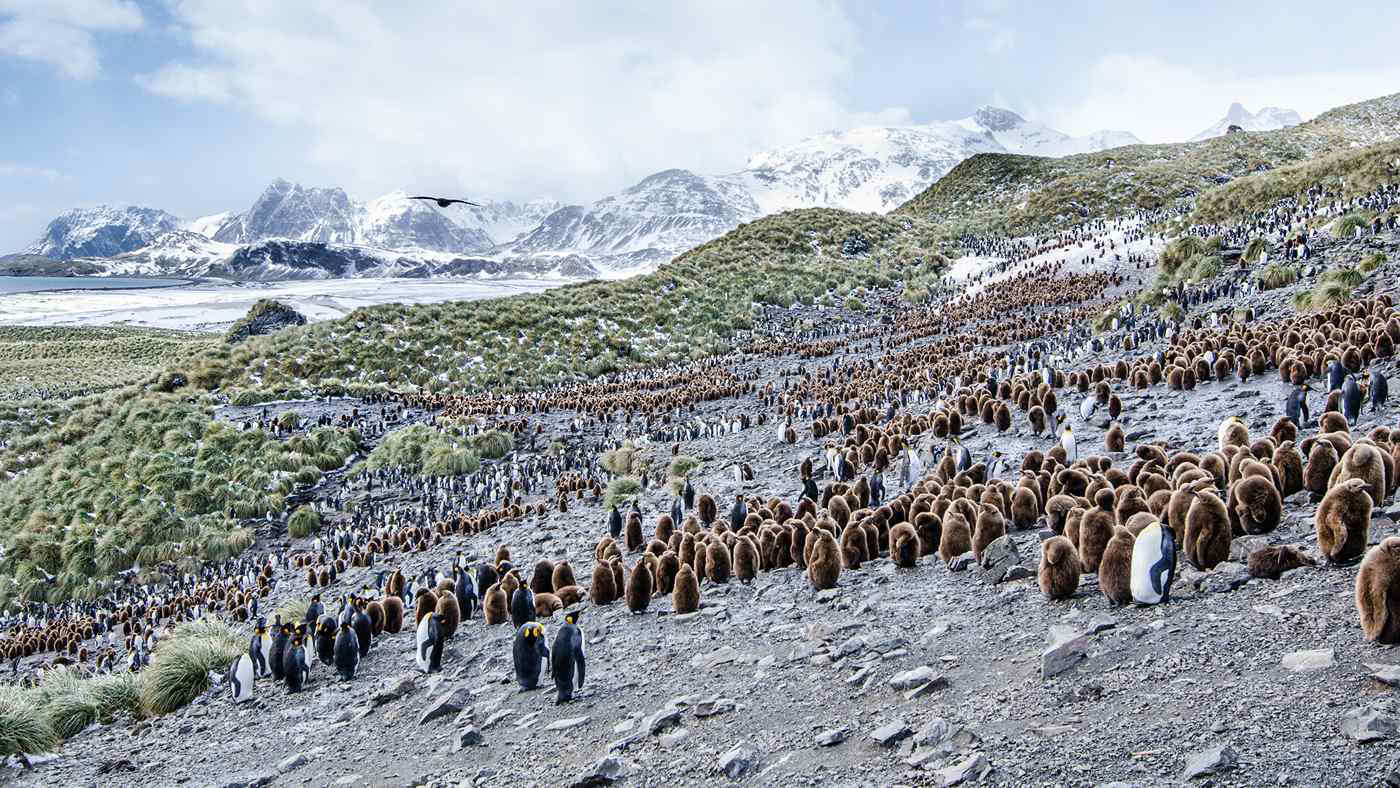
x,y
872,169
102,231
865,169
1266,119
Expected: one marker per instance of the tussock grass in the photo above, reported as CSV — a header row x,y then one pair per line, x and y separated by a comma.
x,y
304,522
1276,275
621,490
1371,262
24,726
493,444
622,461
180,667
425,451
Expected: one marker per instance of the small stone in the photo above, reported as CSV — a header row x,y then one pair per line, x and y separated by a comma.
x,y
1366,724
448,704
467,737
891,734
849,648
828,595
393,690
998,558
1309,661
675,738
720,656
970,769
914,677
250,780
1068,646
349,779
291,762
604,771
1225,577
737,761
712,706
661,719
1017,572
1212,761
961,562
565,724
831,737
1385,674
926,689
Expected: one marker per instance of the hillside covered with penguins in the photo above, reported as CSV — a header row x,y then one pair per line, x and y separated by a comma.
x,y
1067,471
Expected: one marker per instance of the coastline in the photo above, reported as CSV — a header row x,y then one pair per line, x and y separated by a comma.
x,y
165,282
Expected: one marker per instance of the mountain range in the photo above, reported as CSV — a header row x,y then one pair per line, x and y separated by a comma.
x,y
871,169
1266,119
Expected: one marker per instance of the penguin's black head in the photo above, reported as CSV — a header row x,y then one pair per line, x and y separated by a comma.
x,y
572,617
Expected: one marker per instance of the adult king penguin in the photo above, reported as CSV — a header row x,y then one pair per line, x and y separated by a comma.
x,y
1154,564
1295,408
347,652
531,655
240,676
1351,400
428,644
567,658
1067,442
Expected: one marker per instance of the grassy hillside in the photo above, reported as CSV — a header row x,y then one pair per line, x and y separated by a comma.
x,y
1018,195
64,362
1350,173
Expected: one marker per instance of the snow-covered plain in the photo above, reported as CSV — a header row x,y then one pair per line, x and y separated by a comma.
x,y
215,306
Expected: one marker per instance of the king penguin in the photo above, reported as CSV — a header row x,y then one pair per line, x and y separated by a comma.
x,y
567,658
428,650
1351,400
531,654
258,646
347,652
465,591
1154,564
240,676
615,522
1067,441
295,670
1380,389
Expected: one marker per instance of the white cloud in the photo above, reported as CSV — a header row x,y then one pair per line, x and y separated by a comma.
x,y
996,38
9,170
511,100
187,82
1161,101
60,32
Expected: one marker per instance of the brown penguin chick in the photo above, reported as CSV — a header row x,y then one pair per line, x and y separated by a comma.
x,y
839,510
956,538
1025,509
563,575
853,547
1332,421
1179,505
665,526
1208,536
446,585
633,533
1116,567
1342,521
603,589
495,609
1095,529
1130,501
619,578
502,555
706,506
639,587
718,562
547,604
1114,440
1257,504
745,560
424,604
687,551
451,614
1139,521
824,565
569,595
1272,561
1059,568
990,527
929,528
375,611
904,546
666,569
393,614
1366,462
1056,509
1322,458
1378,592
1232,432
685,596
1289,464
542,580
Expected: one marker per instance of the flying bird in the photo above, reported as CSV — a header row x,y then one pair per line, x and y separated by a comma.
x,y
444,202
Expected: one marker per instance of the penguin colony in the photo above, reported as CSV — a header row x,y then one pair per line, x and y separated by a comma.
x,y
1128,519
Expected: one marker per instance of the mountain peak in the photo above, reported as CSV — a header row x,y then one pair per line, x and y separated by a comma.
x,y
996,118
1267,119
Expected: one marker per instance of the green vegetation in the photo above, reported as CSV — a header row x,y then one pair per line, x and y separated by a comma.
x,y
180,667
621,490
304,522
422,450
622,461
1371,262
24,726
1020,195
1346,226
1350,172
676,473
1276,275
64,362
1256,248
1172,310
267,314
148,478
1348,276
493,444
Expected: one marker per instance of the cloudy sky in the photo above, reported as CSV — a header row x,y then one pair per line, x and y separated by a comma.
x,y
194,106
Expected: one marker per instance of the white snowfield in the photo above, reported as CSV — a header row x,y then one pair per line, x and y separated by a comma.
x,y
215,306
